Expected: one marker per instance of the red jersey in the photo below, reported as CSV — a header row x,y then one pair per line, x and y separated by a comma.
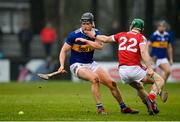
x,y
129,51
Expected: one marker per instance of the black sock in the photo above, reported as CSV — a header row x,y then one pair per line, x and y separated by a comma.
x,y
122,105
99,105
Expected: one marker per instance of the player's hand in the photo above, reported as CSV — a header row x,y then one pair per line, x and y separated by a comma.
x,y
171,62
150,72
80,40
62,70
91,34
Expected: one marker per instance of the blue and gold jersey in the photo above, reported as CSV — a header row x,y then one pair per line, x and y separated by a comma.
x,y
80,51
160,44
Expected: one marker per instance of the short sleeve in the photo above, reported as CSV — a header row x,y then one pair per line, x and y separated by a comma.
x,y
116,37
70,39
143,40
152,38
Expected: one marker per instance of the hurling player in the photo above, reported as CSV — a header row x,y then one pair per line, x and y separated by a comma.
x,y
83,66
132,48
162,51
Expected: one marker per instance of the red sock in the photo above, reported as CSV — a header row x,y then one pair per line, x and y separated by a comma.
x,y
152,96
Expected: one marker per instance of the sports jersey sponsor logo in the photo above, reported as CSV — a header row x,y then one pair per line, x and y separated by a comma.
x,y
82,48
158,44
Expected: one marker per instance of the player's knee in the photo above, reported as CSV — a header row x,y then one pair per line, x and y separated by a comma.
x,y
113,84
95,79
139,87
167,72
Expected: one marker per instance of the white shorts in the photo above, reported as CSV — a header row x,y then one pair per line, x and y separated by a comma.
x,y
162,61
76,66
130,74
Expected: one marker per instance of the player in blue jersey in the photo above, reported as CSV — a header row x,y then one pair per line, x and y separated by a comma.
x,y
83,66
161,52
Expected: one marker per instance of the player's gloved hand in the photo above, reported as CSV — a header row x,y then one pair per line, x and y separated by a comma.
x,y
80,40
150,72
62,70
91,34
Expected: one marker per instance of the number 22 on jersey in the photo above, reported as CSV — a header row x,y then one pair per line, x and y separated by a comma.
x,y
131,47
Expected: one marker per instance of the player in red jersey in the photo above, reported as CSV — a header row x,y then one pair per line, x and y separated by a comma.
x,y
133,48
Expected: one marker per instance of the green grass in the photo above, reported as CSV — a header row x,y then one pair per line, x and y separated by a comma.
x,y
73,101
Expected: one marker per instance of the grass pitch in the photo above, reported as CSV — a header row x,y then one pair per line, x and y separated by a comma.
x,y
73,101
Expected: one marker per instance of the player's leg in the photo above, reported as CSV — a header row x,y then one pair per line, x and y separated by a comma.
x,y
143,95
86,74
110,83
106,79
166,69
165,66
158,83
133,75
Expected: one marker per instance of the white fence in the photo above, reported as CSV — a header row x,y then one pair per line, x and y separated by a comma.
x,y
4,71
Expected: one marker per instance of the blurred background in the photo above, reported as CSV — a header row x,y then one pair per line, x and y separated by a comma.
x,y
26,49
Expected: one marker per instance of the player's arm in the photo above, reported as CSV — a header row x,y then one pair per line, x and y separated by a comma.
x,y
146,58
62,56
170,53
104,38
101,38
95,45
149,45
